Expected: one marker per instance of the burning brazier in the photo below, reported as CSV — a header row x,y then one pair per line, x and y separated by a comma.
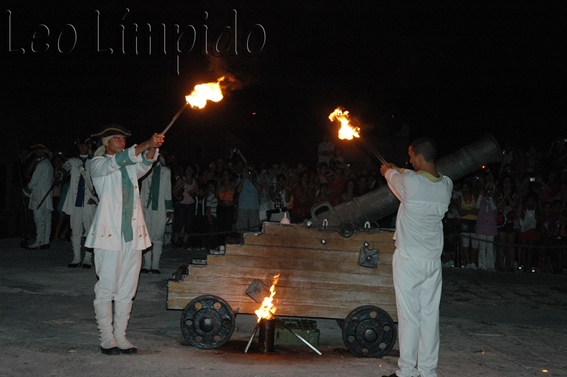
x,y
267,334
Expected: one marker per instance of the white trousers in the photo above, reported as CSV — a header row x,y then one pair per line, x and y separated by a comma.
x,y
80,222
152,257
485,252
42,218
155,224
118,272
417,283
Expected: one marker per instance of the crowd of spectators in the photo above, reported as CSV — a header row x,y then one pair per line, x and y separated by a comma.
x,y
511,216
233,192
506,217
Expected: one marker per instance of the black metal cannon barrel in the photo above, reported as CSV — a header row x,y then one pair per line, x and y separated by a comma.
x,y
380,203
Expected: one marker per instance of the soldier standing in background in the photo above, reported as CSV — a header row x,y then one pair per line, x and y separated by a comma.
x,y
157,206
41,202
80,203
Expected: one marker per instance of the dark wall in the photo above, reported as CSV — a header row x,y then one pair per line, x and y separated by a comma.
x,y
11,205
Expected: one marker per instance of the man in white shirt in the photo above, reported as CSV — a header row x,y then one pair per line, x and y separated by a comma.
x,y
424,196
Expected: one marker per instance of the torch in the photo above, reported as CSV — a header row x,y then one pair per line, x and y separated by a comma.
x,y
348,132
198,98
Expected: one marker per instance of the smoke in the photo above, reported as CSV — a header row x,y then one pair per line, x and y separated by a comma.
x,y
219,68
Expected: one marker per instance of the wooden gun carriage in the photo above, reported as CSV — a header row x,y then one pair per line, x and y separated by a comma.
x,y
323,274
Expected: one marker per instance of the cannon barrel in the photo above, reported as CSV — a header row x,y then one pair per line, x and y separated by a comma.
x,y
380,203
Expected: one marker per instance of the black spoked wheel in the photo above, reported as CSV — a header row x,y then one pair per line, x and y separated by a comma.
x,y
369,331
207,322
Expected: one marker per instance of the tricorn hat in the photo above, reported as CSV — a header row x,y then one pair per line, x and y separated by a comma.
x,y
40,146
87,141
112,129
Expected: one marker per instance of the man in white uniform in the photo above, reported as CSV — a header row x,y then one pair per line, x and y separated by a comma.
x,y
424,196
41,202
80,203
118,233
158,208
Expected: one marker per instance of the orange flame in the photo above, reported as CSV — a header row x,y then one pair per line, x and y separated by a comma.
x,y
205,92
346,131
267,310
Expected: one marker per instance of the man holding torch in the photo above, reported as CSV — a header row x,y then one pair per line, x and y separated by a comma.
x,y
424,196
118,233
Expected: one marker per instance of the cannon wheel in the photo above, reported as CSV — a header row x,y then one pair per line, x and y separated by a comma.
x,y
207,322
369,331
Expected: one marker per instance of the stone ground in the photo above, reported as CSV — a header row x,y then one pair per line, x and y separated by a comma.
x,y
492,324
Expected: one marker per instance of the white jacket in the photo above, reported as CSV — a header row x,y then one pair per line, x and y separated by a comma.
x,y
75,167
156,219
106,229
40,184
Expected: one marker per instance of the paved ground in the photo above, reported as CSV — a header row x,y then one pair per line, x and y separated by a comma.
x,y
492,324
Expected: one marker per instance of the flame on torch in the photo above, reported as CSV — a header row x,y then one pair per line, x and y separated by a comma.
x,y
198,98
346,132
267,310
205,92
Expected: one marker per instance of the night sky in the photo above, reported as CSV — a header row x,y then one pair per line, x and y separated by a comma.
x,y
450,70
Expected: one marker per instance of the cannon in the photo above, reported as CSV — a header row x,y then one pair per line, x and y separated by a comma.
x,y
380,203
326,270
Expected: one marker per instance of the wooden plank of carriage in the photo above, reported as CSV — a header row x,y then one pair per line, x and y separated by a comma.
x,y
329,296
282,262
266,273
315,239
338,256
300,230
202,279
315,302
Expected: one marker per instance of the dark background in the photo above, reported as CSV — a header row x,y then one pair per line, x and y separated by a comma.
x,y
451,70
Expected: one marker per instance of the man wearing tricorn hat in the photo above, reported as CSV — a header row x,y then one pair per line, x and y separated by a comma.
x,y
118,233
39,192
80,203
